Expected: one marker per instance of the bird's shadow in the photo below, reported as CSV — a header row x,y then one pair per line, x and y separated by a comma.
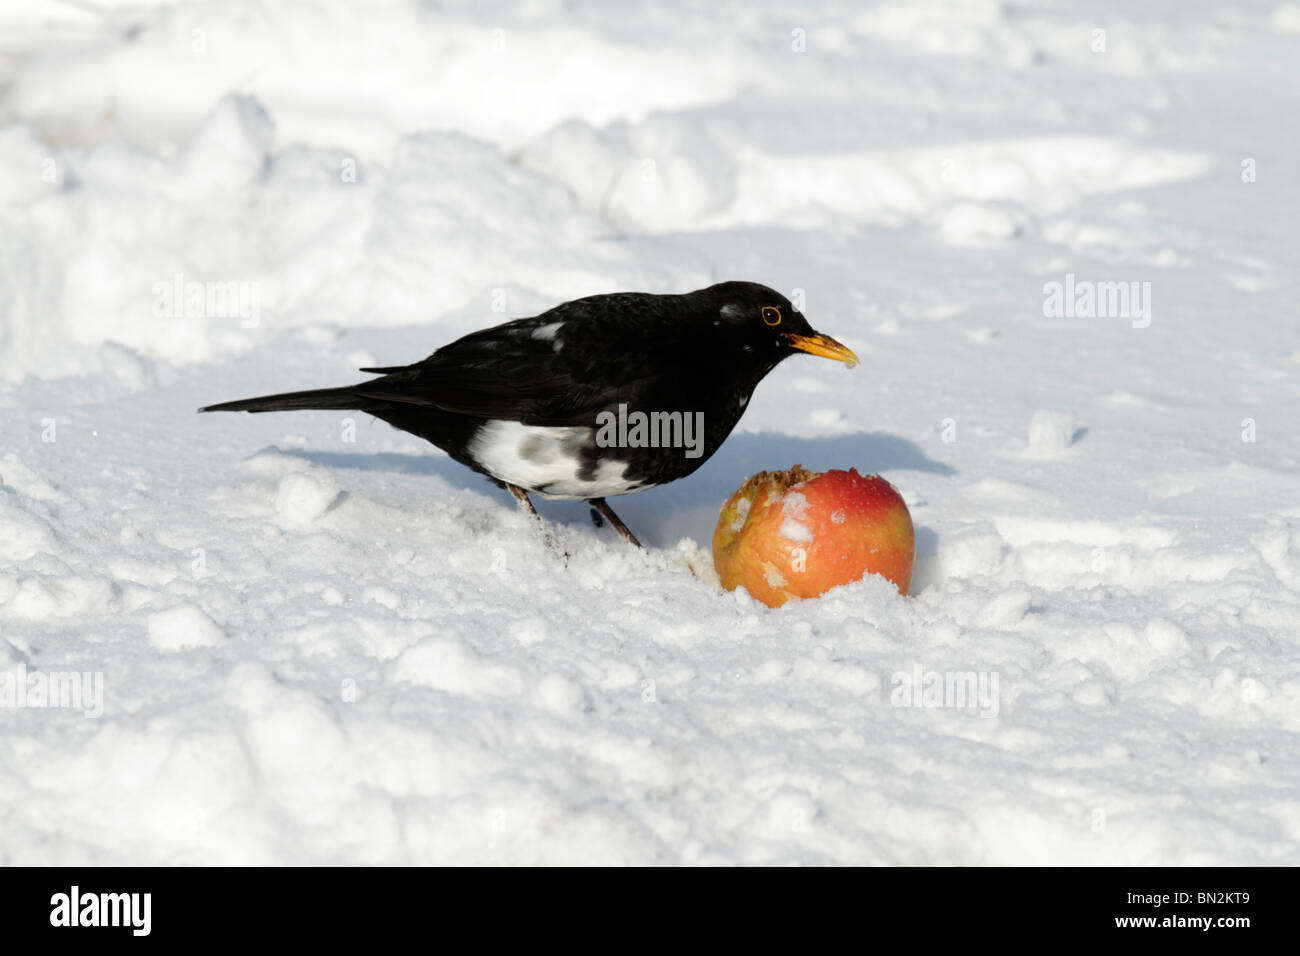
x,y
687,508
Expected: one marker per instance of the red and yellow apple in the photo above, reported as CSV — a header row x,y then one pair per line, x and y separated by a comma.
x,y
797,534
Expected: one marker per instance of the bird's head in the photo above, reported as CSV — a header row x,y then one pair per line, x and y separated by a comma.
x,y
762,323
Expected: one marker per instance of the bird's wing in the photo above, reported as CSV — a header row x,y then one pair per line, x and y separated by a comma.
x,y
557,368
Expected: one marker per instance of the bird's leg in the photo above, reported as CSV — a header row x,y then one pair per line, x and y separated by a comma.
x,y
521,497
526,506
603,507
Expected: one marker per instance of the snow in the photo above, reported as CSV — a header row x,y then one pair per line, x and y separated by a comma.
x,y
322,641
181,627
1050,433
301,498
794,505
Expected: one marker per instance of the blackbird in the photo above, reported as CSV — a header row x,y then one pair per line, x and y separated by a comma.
x,y
604,395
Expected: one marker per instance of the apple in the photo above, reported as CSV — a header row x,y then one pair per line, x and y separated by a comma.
x,y
797,534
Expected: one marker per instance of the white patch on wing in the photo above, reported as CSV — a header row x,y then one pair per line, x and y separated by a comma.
x,y
546,460
547,332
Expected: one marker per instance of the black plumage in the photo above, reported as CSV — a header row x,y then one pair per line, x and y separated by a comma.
x,y
530,402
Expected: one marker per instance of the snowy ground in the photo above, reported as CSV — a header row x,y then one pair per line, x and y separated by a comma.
x,y
322,641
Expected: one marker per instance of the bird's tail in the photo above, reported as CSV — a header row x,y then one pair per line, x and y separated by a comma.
x,y
336,398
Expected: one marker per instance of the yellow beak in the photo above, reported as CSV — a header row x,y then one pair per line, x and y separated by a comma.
x,y
822,345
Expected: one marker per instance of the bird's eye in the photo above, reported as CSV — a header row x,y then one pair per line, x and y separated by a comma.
x,y
771,315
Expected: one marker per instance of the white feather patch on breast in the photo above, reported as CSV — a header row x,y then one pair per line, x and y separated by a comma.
x,y
546,460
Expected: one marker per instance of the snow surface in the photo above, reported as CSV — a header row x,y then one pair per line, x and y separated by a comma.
x,y
322,641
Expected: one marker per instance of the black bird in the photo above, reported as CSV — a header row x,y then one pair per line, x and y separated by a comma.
x,y
604,395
